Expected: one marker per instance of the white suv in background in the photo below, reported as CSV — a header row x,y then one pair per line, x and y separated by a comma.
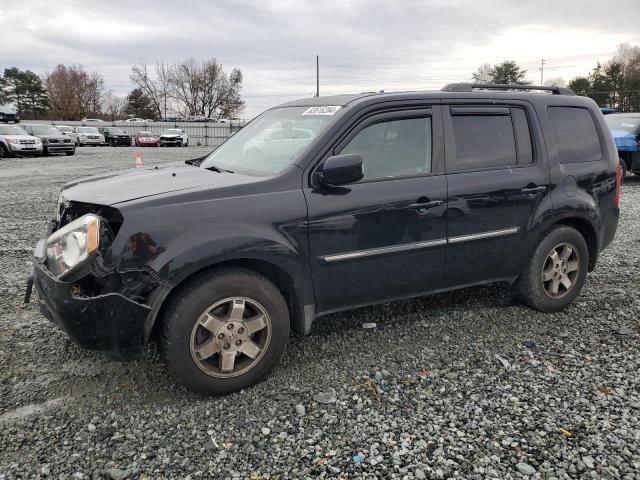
x,y
87,136
15,141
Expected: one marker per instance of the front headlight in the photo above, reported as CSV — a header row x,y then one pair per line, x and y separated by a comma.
x,y
72,244
15,141
38,141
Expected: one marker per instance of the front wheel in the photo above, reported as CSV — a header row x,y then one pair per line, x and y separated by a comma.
x,y
225,331
557,271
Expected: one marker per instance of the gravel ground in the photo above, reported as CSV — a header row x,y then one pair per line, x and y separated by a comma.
x,y
459,385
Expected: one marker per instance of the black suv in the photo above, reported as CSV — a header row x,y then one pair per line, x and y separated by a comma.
x,y
115,136
328,204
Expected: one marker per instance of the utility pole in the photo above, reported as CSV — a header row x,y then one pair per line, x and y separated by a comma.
x,y
317,75
542,62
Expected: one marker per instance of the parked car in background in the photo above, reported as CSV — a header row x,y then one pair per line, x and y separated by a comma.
x,y
625,129
8,114
15,141
87,136
135,120
174,137
221,256
52,140
115,136
65,130
608,111
146,139
92,120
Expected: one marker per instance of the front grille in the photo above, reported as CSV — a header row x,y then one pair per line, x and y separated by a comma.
x,y
67,140
27,142
93,137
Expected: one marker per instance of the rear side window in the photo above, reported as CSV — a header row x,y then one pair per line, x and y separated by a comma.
x,y
576,134
523,136
483,141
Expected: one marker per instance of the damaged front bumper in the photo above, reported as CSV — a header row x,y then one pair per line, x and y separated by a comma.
x,y
107,322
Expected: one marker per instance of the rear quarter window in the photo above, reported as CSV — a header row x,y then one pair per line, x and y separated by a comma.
x,y
576,134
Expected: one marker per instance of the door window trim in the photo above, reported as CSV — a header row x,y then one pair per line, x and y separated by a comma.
x,y
448,110
357,125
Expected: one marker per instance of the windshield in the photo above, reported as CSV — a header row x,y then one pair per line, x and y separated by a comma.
x,y
271,142
628,124
145,134
87,130
116,131
44,130
174,131
11,130
65,129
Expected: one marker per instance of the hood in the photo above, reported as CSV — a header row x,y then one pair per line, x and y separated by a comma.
x,y
170,135
625,141
126,185
55,136
19,137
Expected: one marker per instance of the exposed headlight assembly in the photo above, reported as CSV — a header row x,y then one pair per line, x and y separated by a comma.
x,y
72,244
15,141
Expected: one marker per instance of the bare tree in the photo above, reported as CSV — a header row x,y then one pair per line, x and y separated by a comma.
x,y
555,81
114,106
484,74
74,93
156,88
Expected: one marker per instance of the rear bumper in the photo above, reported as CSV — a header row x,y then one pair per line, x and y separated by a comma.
x,y
109,323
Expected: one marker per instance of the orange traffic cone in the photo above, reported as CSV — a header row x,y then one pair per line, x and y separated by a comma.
x,y
138,160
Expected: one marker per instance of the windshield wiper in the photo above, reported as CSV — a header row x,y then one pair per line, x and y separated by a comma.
x,y
219,170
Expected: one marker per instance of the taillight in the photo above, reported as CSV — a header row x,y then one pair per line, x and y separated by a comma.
x,y
618,181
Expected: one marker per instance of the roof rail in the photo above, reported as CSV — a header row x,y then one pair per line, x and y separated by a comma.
x,y
469,87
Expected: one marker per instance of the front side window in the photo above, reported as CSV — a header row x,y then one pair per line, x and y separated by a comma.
x,y
394,148
483,141
576,134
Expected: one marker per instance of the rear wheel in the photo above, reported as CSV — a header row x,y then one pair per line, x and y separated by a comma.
x,y
225,331
557,271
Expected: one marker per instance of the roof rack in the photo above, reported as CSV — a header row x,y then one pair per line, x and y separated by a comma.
x,y
469,87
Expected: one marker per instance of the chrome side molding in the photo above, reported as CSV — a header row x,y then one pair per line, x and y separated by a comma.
x,y
405,247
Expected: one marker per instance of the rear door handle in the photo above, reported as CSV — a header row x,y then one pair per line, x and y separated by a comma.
x,y
426,205
533,190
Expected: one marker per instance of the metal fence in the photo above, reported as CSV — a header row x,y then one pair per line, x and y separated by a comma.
x,y
207,134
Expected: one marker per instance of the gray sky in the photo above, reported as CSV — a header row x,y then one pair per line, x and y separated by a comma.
x,y
363,45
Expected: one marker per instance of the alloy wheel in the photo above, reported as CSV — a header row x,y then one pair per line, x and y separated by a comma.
x,y
561,270
230,337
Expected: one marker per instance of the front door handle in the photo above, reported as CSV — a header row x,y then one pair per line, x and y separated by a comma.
x,y
426,205
534,190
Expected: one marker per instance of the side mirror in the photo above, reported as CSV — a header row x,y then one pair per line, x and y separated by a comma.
x,y
341,170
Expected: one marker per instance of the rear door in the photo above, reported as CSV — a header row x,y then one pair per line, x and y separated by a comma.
x,y
497,179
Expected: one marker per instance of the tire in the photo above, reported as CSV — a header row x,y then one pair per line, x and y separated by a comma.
x,y
538,293
45,153
4,151
214,293
625,170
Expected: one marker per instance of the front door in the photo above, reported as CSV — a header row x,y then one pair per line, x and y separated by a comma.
x,y
497,176
383,237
